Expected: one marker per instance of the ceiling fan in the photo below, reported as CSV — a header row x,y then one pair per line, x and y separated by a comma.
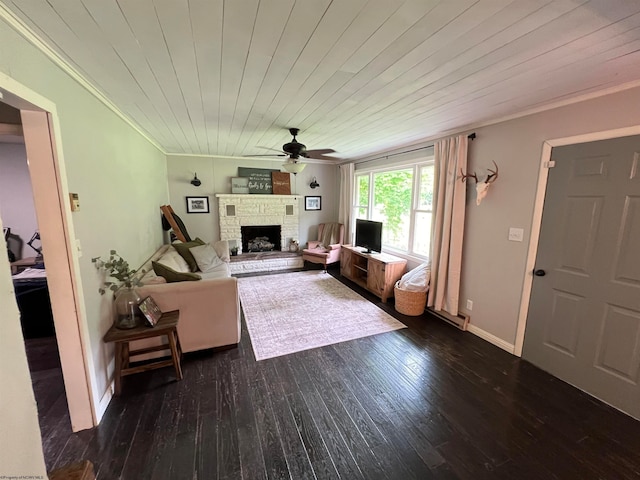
x,y
294,150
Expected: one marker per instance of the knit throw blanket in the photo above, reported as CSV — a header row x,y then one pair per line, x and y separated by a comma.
x,y
330,234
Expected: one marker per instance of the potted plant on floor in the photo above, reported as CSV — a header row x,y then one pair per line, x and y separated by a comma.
x,y
234,251
126,297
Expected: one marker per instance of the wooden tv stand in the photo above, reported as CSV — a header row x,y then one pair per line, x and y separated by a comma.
x,y
377,272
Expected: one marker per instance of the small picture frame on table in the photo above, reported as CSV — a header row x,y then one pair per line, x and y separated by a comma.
x,y
312,203
150,310
197,204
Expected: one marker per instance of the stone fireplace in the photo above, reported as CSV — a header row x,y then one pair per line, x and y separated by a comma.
x,y
252,210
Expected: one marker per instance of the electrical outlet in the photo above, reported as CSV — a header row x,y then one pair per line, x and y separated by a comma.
x,y
469,305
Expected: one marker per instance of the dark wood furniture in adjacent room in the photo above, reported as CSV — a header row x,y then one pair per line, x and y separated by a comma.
x,y
20,265
167,325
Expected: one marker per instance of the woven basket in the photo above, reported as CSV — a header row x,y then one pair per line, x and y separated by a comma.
x,y
409,303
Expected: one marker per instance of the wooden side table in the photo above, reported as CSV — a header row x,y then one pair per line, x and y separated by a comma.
x,y
167,325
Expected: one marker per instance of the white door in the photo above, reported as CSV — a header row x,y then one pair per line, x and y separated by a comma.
x,y
584,314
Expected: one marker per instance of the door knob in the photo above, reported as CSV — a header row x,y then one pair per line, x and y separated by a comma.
x,y
539,273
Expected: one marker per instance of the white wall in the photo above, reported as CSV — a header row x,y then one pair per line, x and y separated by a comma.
x,y
216,174
16,197
120,177
20,444
493,269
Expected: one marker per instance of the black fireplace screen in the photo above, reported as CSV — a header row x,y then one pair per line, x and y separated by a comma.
x,y
261,238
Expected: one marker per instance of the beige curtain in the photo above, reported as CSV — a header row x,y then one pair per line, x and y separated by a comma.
x,y
448,227
346,199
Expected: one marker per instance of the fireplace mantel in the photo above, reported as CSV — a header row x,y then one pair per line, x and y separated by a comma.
x,y
254,195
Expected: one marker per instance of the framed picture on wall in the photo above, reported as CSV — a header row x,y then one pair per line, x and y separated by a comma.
x,y
312,203
197,204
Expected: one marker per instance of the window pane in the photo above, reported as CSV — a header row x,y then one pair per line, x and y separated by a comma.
x,y
361,212
426,188
422,234
392,206
362,190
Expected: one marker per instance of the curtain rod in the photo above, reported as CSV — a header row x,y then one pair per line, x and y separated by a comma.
x,y
471,136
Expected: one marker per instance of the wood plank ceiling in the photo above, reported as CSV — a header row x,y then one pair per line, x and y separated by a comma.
x,y
228,78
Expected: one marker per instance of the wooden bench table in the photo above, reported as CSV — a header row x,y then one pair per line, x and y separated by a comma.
x,y
167,325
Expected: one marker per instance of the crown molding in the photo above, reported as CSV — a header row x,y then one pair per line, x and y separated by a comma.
x,y
25,31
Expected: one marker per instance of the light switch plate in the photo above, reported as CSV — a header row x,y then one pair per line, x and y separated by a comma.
x,y
75,202
516,234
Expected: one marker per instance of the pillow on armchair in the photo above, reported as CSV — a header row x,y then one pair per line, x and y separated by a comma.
x,y
325,250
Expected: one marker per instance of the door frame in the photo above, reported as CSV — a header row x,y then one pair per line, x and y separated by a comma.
x,y
48,176
536,221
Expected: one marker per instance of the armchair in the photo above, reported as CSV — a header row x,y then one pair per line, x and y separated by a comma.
x,y
325,250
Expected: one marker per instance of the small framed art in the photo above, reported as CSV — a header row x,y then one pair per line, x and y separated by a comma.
x,y
312,203
150,310
197,204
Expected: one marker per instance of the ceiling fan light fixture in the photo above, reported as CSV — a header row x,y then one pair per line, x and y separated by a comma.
x,y
294,167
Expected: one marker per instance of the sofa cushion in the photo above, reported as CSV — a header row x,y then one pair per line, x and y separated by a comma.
x,y
172,259
183,249
206,257
221,271
171,275
222,249
152,278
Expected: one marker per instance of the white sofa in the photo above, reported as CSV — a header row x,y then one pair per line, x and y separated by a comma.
x,y
209,308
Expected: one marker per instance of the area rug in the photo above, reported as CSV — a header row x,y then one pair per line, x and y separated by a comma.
x,y
290,312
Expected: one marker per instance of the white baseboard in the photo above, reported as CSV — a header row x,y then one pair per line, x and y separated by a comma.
x,y
498,342
104,402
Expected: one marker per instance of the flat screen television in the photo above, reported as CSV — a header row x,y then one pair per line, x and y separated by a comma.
x,y
369,235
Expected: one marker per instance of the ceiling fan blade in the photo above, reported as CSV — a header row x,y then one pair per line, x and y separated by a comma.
x,y
320,154
268,155
321,151
269,148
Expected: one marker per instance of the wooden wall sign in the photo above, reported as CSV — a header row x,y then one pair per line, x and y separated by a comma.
x,y
281,183
259,179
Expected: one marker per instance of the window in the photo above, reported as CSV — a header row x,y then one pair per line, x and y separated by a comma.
x,y
402,199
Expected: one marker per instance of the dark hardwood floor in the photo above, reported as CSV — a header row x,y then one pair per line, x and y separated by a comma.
x,y
424,402
50,395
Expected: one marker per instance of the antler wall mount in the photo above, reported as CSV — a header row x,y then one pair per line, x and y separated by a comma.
x,y
481,187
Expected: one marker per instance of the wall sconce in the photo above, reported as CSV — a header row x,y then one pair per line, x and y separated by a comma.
x,y
314,183
196,181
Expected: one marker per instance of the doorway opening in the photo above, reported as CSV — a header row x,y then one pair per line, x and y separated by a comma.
x,y
38,117
28,271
